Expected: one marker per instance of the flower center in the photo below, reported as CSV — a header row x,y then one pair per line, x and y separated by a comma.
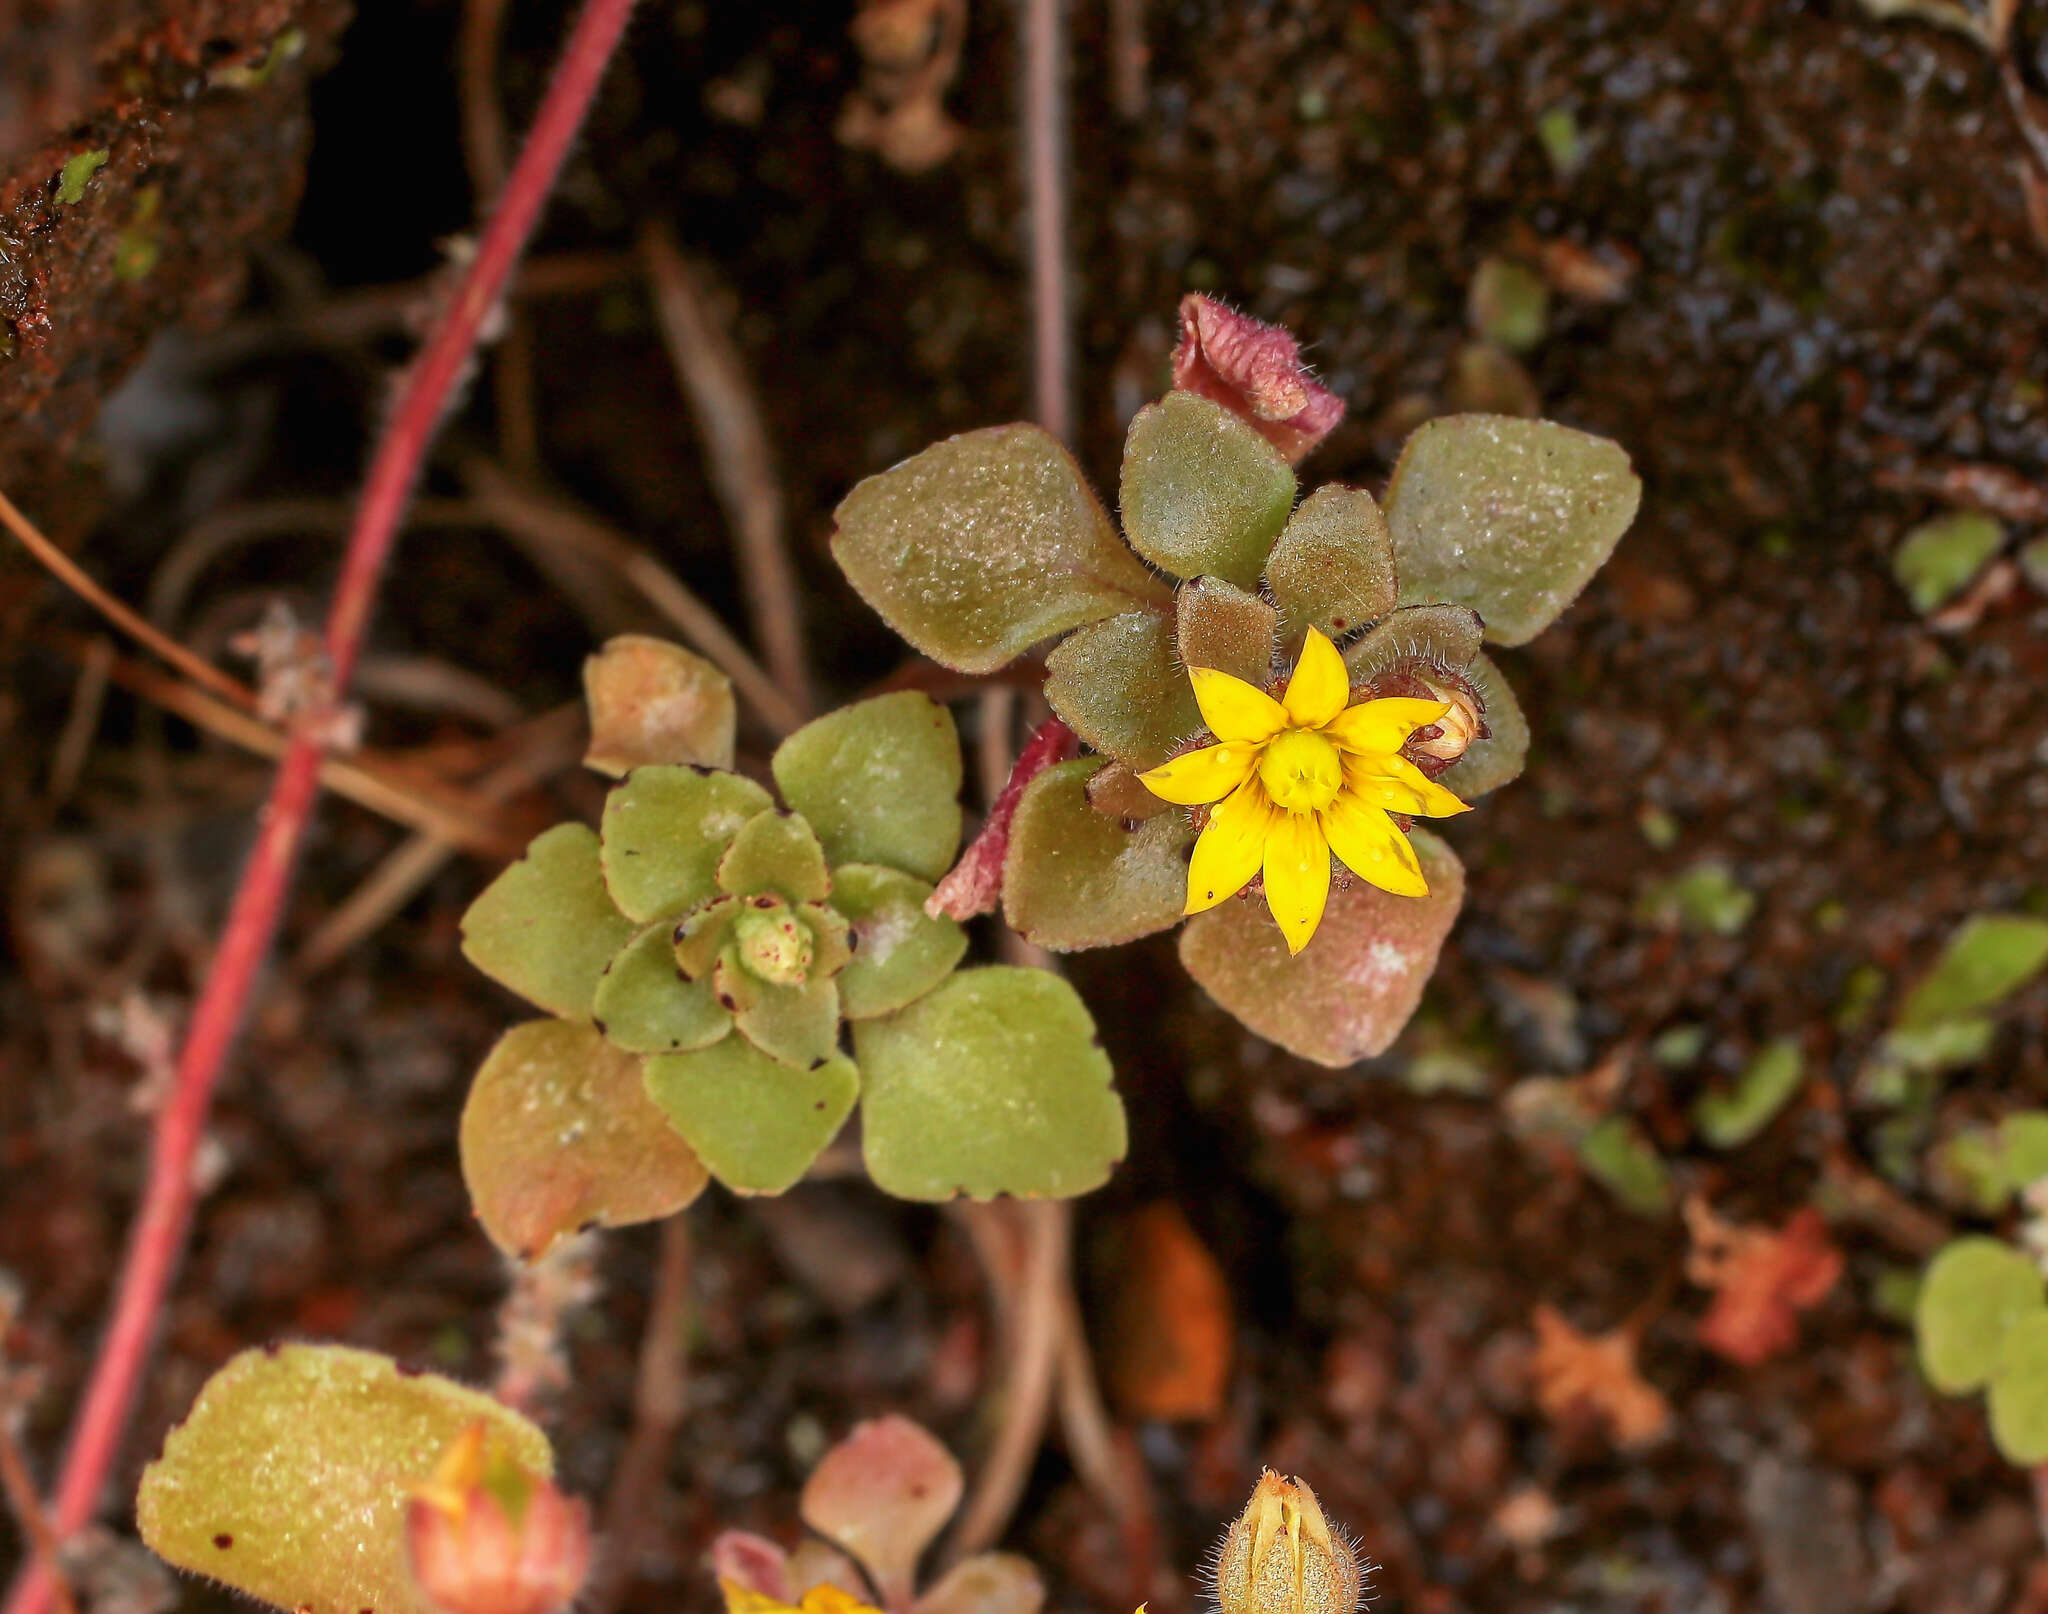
x,y
1301,771
777,946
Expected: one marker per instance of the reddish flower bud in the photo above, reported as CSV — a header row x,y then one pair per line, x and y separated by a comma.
x,y
486,1536
1254,369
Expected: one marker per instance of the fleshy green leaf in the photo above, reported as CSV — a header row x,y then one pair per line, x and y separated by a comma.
x,y
879,782
1204,494
546,926
1118,686
1990,956
1511,517
1509,305
1333,568
797,1024
1352,989
2023,1148
645,1005
1618,1157
1219,625
665,828
557,1135
1706,900
1077,878
984,544
289,1477
756,1123
900,952
2019,1392
775,851
1498,759
1448,635
884,1493
1728,1120
992,1084
1936,560
655,702
1976,1288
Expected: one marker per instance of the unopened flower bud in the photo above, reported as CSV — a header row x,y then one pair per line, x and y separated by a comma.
x,y
486,1536
1282,1557
775,945
1459,727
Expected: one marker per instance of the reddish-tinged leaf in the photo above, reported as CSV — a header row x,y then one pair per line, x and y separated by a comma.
x,y
1763,1279
883,1493
1254,369
753,1563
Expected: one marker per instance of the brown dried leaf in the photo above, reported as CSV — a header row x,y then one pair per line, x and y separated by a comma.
x,y
1172,1326
652,701
1256,370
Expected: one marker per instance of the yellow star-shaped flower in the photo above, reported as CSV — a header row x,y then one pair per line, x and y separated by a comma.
x,y
1296,779
818,1600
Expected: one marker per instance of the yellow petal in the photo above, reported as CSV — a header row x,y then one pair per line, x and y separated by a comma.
x,y
830,1599
1367,843
744,1600
1379,727
1233,709
1395,783
1320,686
1202,776
1297,876
1230,848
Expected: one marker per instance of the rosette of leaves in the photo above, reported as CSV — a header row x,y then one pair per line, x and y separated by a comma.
x,y
987,544
1981,1323
704,953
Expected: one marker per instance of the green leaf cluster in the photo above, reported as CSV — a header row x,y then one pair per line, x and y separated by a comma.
x,y
1947,1019
704,952
1981,1322
991,542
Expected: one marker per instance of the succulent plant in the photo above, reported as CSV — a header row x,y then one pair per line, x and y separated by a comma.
x,y
989,543
703,952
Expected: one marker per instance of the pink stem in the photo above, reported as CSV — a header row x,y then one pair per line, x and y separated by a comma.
x,y
976,882
157,1239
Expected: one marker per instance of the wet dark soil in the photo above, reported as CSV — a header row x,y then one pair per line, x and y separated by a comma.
x,y
1794,273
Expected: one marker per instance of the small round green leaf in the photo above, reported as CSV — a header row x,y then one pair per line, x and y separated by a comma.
x,y
2019,1392
1936,560
795,1024
664,830
1333,568
1351,990
546,927
900,952
992,1084
1976,1288
1217,624
557,1135
1990,956
1117,685
1511,517
646,1005
1077,878
1498,759
984,544
1204,494
879,782
2023,1149
1448,635
756,1123
1509,304
288,1479
775,851
655,702
1624,1162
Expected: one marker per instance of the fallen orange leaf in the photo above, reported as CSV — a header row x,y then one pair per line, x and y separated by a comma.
x,y
1763,1279
1172,1327
1580,1373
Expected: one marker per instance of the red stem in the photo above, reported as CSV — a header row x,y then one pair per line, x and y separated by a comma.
x,y
975,884
157,1239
